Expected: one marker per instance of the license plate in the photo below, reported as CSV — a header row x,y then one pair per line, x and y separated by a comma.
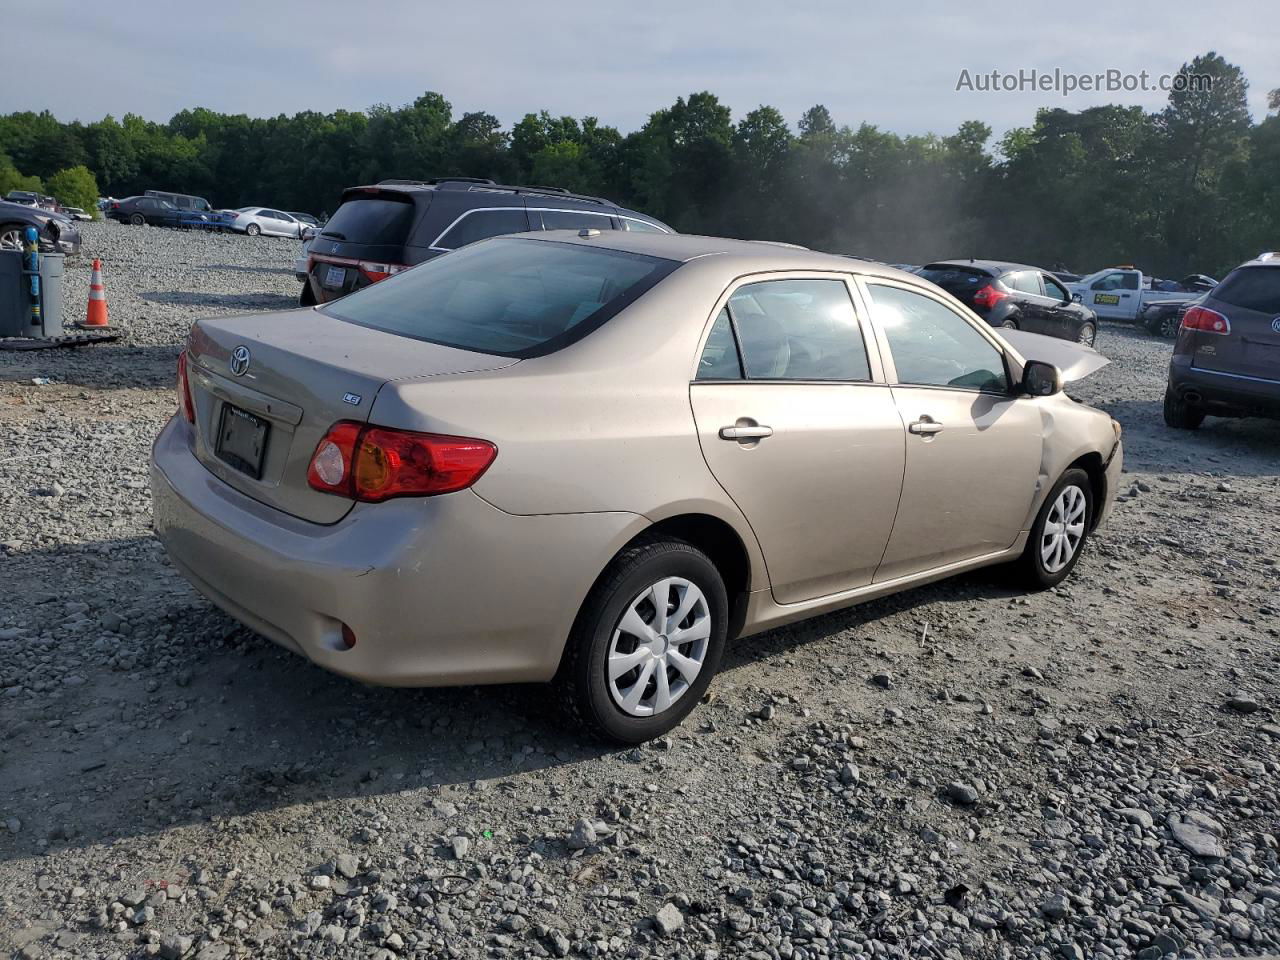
x,y
335,277
1109,298
242,440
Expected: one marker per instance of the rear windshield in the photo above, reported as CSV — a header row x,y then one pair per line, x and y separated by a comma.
x,y
371,220
954,279
514,298
1254,288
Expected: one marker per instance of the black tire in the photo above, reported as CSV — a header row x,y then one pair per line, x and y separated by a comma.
x,y
1179,414
581,684
137,219
1030,569
253,230
1087,334
307,298
1009,323
1168,325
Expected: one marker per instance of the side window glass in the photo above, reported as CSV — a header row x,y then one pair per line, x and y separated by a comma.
x,y
574,220
934,346
1110,282
1024,281
1053,288
640,226
720,355
483,224
799,330
1128,281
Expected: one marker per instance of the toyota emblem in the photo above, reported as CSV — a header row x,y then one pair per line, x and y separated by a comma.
x,y
240,360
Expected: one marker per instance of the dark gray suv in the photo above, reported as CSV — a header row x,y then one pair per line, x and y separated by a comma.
x,y
382,229
1226,360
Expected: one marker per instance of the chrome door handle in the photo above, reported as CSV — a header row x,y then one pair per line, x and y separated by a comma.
x,y
747,430
925,427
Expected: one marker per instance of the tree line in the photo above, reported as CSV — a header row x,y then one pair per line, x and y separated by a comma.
x,y
1194,187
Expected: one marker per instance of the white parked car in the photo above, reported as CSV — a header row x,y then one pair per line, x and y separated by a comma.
x,y
268,221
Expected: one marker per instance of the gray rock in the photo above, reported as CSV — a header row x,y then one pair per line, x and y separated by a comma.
x,y
964,794
668,920
174,946
1242,702
1055,908
1196,840
347,865
583,835
460,846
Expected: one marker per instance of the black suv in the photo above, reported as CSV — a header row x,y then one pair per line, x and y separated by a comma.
x,y
1226,360
1015,295
382,229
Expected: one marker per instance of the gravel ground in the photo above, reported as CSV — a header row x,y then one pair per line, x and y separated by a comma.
x,y
958,771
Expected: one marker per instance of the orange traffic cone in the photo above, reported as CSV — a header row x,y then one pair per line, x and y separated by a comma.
x,y
96,316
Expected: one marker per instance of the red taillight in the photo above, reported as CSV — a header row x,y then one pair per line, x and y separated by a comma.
x,y
377,463
379,271
185,406
1206,321
988,297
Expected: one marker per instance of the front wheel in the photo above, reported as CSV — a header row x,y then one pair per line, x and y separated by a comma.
x,y
11,236
1088,335
1179,414
1060,532
646,643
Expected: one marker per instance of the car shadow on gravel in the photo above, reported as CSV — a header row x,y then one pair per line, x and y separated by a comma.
x,y
239,268
192,717
240,301
107,366
1244,447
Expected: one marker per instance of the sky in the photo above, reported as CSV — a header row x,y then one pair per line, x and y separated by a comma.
x,y
893,65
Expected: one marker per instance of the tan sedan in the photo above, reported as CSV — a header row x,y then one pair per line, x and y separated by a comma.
x,y
595,458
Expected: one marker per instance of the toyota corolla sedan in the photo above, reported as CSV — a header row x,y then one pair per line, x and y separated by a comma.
x,y
595,458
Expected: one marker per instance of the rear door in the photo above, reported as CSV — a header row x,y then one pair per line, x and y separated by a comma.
x,y
1034,314
973,447
1250,300
798,427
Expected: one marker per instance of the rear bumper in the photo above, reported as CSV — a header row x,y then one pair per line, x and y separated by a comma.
x,y
1225,394
438,591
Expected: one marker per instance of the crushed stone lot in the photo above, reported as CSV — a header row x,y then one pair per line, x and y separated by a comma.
x,y
963,770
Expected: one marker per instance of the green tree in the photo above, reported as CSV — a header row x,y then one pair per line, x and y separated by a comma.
x,y
75,187
11,179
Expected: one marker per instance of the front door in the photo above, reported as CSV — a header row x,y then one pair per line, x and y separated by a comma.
x,y
973,447
800,430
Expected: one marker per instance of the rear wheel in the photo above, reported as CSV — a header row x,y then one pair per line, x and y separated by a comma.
x,y
137,219
307,298
253,229
1088,335
1009,324
1169,324
1060,532
646,644
1179,414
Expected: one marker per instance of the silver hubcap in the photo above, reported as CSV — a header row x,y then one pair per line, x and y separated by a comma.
x,y
1063,529
1087,333
658,647
11,240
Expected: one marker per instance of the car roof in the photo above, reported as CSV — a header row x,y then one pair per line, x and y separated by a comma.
x,y
996,266
751,254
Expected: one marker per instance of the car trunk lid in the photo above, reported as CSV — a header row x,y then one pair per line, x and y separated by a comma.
x,y
266,388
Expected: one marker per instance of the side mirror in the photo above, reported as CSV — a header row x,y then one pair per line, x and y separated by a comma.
x,y
1040,379
1075,298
